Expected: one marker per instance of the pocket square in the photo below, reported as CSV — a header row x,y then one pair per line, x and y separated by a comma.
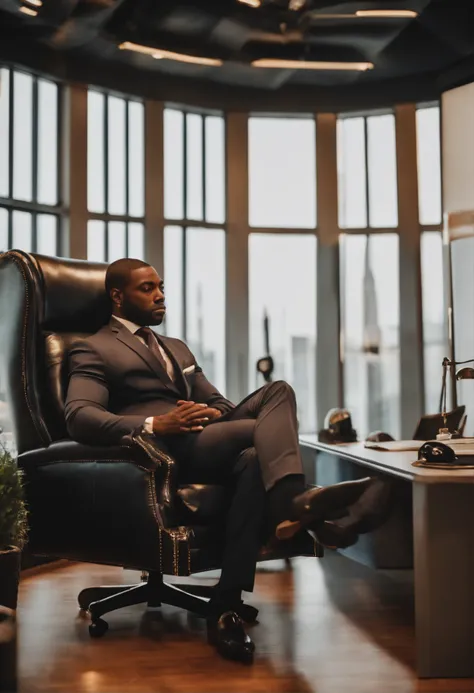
x,y
189,369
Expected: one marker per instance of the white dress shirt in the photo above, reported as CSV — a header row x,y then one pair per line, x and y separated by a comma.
x,y
148,425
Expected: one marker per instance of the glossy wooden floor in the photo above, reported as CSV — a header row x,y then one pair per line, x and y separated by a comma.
x,y
327,626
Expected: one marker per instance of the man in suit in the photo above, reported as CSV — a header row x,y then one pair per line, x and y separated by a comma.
x,y
126,377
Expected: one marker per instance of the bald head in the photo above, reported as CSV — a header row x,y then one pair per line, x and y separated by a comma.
x,y
136,291
118,273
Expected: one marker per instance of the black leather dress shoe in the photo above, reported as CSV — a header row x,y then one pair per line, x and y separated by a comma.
x,y
228,636
319,504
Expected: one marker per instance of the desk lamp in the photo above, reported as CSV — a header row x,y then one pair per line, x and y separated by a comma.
x,y
466,373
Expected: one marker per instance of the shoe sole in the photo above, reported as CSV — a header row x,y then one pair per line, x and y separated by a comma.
x,y
246,658
288,529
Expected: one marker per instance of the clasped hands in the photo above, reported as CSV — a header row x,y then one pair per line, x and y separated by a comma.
x,y
185,418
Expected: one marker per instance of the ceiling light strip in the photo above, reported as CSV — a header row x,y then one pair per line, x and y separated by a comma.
x,y
361,14
311,65
160,54
29,11
387,13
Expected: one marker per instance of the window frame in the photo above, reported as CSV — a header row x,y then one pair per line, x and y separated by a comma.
x,y
368,230
435,228
418,107
106,216
365,230
185,222
33,207
286,231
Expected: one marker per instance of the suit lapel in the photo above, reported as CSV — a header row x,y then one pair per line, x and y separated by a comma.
x,y
124,335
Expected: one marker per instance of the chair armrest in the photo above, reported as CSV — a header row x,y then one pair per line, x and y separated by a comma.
x,y
70,451
103,511
165,472
133,449
140,449
106,505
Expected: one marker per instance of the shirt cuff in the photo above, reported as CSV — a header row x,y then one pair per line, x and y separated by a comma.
x,y
148,425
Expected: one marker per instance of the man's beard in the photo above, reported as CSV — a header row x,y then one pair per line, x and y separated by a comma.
x,y
140,317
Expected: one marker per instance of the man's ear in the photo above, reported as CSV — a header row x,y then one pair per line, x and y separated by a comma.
x,y
116,297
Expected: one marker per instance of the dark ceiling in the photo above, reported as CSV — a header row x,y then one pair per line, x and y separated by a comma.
x,y
413,58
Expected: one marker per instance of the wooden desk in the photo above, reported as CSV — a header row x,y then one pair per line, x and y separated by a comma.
x,y
443,548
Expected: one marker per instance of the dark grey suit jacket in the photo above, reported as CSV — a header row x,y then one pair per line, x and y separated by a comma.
x,y
116,383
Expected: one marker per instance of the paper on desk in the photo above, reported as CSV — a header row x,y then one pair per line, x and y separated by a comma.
x,y
461,441
461,446
395,445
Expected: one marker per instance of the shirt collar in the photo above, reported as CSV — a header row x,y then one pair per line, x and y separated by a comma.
x,y
133,327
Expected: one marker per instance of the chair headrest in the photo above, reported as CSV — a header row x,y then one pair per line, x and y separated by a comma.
x,y
74,294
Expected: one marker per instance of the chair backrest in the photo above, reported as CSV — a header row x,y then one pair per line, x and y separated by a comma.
x,y
46,303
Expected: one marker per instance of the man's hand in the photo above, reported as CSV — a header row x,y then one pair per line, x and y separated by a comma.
x,y
186,417
210,413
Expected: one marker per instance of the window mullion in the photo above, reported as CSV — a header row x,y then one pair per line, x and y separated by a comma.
x,y
185,284
366,172
185,166
34,158
10,137
203,165
106,153
127,173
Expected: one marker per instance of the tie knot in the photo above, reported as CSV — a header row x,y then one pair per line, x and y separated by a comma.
x,y
144,332
148,335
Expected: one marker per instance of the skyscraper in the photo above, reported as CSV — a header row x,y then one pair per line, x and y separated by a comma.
x,y
372,347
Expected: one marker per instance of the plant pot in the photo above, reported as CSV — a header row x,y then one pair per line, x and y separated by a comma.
x,y
9,576
8,651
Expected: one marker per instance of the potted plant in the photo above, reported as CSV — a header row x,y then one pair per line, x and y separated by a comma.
x,y
13,527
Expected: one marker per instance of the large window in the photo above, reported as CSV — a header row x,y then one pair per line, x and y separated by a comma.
x,y
435,324
29,173
282,173
282,304
194,165
115,178
29,169
195,298
435,315
194,238
352,173
462,258
368,198
370,331
367,172
282,266
429,165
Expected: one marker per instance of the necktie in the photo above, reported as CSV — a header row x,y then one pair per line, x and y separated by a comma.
x,y
152,343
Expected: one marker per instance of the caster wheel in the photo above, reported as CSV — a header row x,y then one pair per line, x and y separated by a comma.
x,y
98,628
248,613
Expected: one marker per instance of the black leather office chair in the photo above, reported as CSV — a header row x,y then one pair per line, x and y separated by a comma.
x,y
119,505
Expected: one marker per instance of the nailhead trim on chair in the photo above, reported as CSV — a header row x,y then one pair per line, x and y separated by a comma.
x,y
163,458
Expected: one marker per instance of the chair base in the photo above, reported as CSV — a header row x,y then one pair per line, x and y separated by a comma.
x,y
101,600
